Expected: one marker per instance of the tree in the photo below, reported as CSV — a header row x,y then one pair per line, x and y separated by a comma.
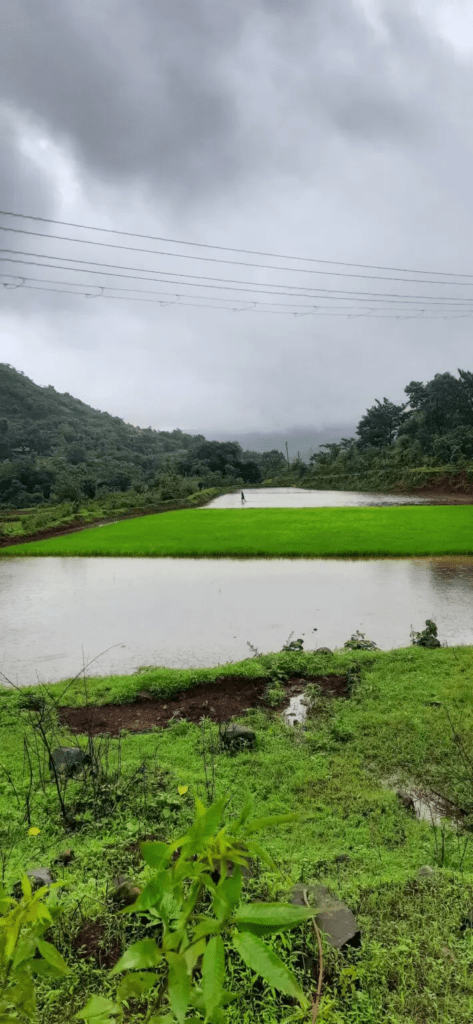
x,y
272,462
439,406
380,425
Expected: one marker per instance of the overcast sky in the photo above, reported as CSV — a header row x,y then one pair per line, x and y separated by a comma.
x,y
336,130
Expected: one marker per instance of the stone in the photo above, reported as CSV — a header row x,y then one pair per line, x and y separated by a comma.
x,y
406,801
425,871
333,917
38,877
238,737
69,759
124,892
323,650
467,921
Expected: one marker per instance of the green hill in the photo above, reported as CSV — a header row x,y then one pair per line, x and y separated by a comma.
x,y
55,447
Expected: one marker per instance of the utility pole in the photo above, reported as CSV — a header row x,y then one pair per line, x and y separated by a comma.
x,y
287,454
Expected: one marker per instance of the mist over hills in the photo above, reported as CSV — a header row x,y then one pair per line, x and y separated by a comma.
x,y
299,439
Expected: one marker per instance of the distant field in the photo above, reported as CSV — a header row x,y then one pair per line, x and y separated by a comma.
x,y
272,533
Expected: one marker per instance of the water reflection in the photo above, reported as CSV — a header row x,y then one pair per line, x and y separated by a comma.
x,y
453,573
298,497
56,613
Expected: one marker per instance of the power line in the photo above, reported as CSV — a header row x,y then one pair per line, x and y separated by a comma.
x,y
240,263
227,248
143,291
314,311
294,290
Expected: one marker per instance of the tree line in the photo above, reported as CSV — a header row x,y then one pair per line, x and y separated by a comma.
x,y
433,428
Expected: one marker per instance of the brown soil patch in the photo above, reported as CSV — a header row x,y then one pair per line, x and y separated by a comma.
x,y
90,943
226,698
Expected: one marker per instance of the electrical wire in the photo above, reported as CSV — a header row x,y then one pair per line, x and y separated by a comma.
x,y
144,291
293,290
354,302
227,248
373,313
215,259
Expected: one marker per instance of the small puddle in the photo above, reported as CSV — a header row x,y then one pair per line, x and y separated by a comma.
x,y
428,806
296,712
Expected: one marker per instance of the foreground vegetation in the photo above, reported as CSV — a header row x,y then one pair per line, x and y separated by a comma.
x,y
274,532
409,713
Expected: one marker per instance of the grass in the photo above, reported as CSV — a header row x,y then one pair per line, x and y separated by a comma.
x,y
414,965
273,533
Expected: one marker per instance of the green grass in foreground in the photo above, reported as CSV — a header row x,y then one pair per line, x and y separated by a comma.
x,y
415,965
275,533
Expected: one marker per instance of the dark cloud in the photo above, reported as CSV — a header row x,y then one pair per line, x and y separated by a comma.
x,y
149,91
21,182
297,126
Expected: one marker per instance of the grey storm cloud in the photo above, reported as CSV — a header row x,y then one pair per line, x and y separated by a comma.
x,y
332,129
21,184
163,93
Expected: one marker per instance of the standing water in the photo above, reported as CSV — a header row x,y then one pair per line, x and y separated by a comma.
x,y
57,612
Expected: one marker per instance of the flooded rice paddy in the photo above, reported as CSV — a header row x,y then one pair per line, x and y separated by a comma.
x,y
57,613
299,497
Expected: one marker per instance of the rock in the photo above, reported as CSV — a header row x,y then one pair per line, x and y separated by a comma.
x,y
38,877
334,918
65,857
406,801
124,892
69,759
323,650
467,921
425,871
238,737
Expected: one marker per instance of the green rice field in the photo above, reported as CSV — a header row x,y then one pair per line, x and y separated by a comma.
x,y
272,533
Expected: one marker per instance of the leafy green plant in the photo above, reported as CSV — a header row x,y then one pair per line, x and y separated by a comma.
x,y
192,898
357,642
274,693
24,952
426,637
293,645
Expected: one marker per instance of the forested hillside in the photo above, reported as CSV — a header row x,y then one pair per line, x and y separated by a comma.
x,y
53,447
